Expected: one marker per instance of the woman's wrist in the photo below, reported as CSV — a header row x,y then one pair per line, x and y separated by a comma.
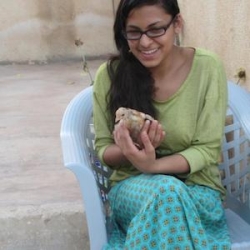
x,y
113,156
173,164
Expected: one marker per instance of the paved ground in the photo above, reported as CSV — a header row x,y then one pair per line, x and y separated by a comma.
x,y
32,101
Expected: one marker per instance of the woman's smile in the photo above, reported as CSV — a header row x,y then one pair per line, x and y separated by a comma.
x,y
148,55
149,52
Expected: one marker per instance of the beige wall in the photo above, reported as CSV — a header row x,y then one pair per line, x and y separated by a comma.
x,y
221,26
42,30
47,29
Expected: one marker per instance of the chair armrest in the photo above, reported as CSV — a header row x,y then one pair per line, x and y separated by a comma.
x,y
74,125
76,157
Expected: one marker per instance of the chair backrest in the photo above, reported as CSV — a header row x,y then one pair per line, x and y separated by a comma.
x,y
235,165
77,136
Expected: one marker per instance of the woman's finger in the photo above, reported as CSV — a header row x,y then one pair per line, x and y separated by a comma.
x,y
148,147
122,138
146,126
152,130
159,136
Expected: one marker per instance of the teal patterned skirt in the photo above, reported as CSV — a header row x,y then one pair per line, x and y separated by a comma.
x,y
162,212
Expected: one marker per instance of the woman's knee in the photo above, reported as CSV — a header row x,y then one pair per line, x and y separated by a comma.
x,y
169,184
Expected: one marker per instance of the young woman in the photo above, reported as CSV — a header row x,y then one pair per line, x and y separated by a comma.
x,y
167,193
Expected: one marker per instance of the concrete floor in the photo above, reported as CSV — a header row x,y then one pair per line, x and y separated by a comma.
x,y
35,188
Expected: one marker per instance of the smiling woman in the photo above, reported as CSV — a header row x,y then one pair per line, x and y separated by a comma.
x,y
166,193
158,35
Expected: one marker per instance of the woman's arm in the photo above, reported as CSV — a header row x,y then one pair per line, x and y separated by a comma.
x,y
145,159
113,155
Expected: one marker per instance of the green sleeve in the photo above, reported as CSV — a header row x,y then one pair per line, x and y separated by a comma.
x,y
101,116
206,143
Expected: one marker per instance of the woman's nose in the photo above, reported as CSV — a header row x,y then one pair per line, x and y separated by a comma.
x,y
145,40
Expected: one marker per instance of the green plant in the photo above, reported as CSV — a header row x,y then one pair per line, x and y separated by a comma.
x,y
79,43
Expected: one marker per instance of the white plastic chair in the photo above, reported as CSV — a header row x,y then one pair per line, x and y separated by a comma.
x,y
77,137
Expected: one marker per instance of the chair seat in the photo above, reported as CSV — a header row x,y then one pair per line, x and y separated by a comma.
x,y
239,230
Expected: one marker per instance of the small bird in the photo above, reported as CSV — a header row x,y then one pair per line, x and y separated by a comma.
x,y
133,120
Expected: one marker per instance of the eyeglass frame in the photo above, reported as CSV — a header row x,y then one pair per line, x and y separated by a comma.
x,y
165,28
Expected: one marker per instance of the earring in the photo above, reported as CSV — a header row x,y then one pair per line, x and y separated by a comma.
x,y
178,40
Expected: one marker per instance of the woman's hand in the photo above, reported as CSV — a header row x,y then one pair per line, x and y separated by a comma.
x,y
155,132
151,136
144,159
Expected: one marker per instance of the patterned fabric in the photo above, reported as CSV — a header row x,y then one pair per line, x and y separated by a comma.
x,y
162,212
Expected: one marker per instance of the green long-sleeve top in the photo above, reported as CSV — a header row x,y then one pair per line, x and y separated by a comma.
x,y
193,119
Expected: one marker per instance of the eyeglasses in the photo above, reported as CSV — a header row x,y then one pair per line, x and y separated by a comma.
x,y
152,33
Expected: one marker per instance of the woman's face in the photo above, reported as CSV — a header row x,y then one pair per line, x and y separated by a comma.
x,y
151,52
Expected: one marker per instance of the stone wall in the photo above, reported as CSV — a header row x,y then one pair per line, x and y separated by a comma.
x,y
35,30
44,30
221,26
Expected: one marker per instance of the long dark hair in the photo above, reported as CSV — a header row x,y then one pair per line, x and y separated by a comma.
x,y
132,85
